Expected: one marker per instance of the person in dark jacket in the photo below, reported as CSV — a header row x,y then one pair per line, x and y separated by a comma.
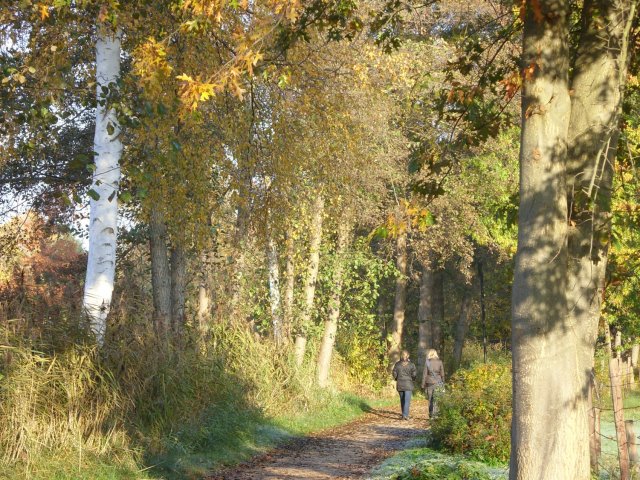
x,y
404,373
433,380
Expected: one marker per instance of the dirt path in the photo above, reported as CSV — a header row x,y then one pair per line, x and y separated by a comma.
x,y
348,451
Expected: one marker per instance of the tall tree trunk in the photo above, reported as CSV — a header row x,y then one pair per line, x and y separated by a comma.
x,y
160,273
597,91
425,316
274,288
462,325
204,306
400,299
331,323
103,217
178,288
545,426
289,285
437,323
240,240
312,276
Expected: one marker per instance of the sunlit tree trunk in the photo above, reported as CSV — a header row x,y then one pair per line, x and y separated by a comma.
x,y
103,217
160,273
315,240
178,288
597,90
546,425
331,323
274,288
204,305
400,299
425,316
289,285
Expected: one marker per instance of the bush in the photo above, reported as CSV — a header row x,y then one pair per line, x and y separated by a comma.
x,y
475,413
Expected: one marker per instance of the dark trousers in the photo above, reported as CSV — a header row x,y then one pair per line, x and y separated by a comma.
x,y
433,407
405,402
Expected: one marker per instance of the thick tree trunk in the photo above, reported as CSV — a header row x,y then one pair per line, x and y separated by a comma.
x,y
400,300
425,316
160,273
462,325
546,427
437,324
312,275
289,286
274,289
597,90
178,288
331,324
103,217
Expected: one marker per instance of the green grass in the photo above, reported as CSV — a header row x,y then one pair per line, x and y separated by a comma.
x,y
58,468
228,437
423,463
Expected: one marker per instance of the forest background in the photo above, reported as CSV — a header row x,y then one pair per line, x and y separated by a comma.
x,y
280,196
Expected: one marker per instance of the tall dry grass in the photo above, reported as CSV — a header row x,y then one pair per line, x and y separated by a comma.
x,y
138,402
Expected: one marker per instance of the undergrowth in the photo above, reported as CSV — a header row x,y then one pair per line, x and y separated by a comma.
x,y
142,410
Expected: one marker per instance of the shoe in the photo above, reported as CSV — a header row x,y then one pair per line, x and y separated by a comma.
x,y
405,418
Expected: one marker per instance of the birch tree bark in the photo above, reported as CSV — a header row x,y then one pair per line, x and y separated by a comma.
x,y
400,299
331,323
103,218
312,276
274,289
545,426
289,286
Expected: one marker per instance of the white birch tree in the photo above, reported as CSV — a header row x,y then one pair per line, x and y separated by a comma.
x,y
103,230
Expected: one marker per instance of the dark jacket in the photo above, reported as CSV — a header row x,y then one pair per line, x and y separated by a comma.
x,y
433,372
404,373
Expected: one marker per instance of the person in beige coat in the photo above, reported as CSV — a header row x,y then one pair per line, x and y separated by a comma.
x,y
432,379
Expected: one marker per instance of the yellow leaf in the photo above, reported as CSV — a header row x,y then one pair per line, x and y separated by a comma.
x,y
184,77
44,12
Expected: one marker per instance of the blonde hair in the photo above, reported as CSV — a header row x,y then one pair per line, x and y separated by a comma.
x,y
404,356
432,354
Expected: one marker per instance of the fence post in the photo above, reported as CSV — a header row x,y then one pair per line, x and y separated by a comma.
x,y
631,442
618,412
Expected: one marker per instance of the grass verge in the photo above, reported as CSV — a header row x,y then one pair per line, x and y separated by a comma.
x,y
241,436
423,463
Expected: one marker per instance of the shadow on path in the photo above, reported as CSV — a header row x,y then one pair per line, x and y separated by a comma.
x,y
349,451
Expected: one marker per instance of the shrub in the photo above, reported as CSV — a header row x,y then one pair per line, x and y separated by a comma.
x,y
475,413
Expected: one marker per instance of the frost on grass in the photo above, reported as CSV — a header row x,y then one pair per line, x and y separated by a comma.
x,y
427,464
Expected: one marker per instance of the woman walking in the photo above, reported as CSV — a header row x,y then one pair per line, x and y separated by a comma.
x,y
433,380
404,373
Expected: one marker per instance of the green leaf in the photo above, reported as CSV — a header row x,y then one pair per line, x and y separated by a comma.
x,y
93,194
